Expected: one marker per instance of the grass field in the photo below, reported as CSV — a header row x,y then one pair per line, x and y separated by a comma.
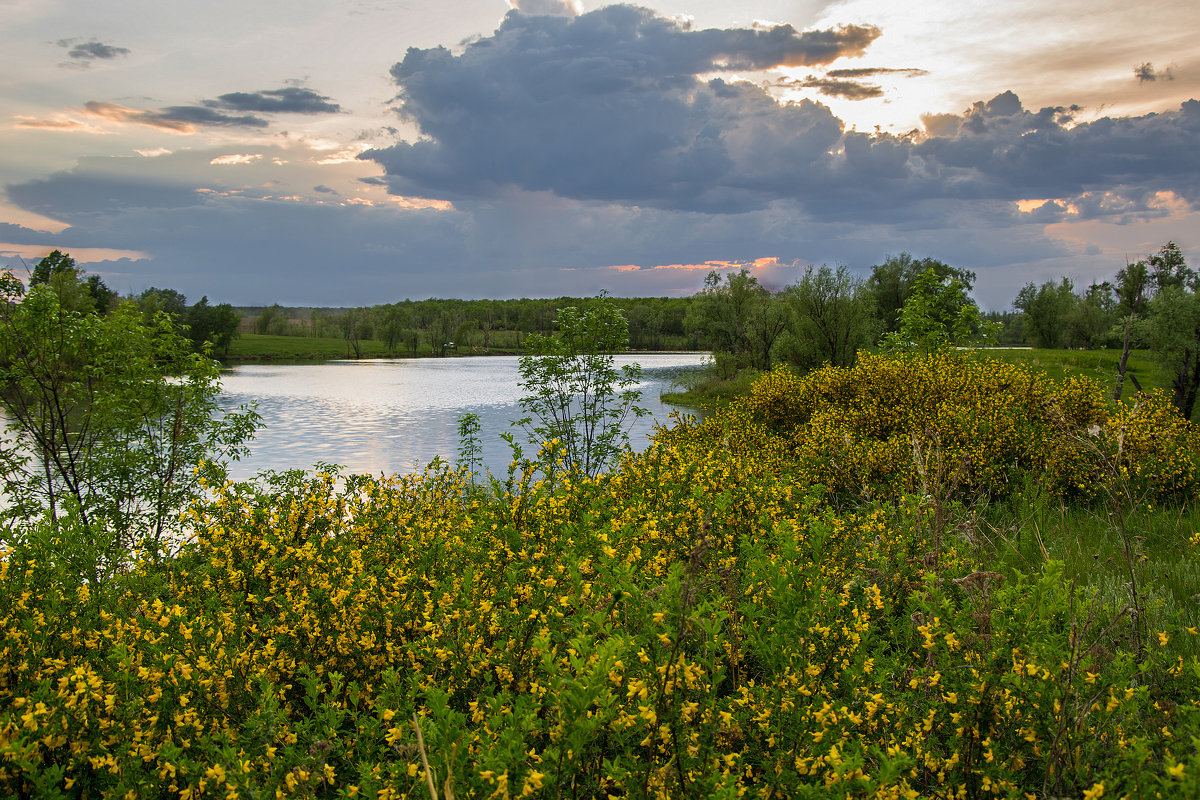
x,y
1100,365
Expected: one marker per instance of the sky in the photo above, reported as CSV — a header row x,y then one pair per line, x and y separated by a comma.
x,y
312,152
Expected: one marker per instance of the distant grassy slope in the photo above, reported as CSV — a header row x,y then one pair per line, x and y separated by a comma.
x,y
261,347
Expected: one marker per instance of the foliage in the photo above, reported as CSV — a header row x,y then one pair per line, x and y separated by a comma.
x,y
202,323
699,622
255,347
1056,317
574,395
1172,324
833,317
77,293
107,420
938,313
892,283
738,318
883,427
470,451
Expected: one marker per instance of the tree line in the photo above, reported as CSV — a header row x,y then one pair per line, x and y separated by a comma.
x,y
439,327
826,316
830,314
1152,303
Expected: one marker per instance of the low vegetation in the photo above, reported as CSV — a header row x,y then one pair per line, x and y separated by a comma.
x,y
755,606
923,572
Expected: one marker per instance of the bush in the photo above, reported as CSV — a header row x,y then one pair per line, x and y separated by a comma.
x,y
699,622
888,425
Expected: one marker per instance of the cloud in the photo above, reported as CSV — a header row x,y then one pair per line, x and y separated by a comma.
x,y
868,72
83,54
82,191
290,100
850,90
215,113
180,119
612,105
1145,73
554,8
236,158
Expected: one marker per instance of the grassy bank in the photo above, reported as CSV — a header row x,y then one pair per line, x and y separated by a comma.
x,y
924,577
261,347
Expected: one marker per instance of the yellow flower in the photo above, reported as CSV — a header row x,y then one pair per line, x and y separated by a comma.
x,y
1094,793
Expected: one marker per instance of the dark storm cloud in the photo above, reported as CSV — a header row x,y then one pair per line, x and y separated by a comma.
x,y
290,100
610,107
1004,151
83,54
66,195
18,234
206,115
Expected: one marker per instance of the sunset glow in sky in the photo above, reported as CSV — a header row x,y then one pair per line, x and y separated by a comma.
x,y
314,152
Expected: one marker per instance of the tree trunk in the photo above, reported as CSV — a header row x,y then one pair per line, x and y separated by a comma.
x,y
1187,384
1124,360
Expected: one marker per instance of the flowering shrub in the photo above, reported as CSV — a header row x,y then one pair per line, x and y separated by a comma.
x,y
893,424
701,622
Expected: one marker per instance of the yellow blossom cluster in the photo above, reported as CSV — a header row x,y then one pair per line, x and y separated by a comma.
x,y
701,622
904,424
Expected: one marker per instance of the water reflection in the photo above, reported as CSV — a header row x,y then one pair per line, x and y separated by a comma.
x,y
396,415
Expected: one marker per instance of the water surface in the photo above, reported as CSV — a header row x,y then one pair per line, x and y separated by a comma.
x,y
396,415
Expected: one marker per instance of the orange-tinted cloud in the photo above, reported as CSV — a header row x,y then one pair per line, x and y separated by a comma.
x,y
752,264
58,123
117,113
87,255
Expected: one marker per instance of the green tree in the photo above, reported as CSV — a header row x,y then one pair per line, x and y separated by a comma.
x,y
832,316
1169,269
938,313
1047,309
1172,329
893,282
390,321
574,394
1172,324
61,272
211,325
1089,323
155,300
739,320
273,320
110,427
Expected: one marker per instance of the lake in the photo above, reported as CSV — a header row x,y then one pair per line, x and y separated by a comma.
x,y
396,415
